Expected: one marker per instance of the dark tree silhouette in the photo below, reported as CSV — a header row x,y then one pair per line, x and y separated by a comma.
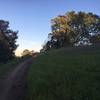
x,y
7,41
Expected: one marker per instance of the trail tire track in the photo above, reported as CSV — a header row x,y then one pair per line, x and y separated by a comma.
x,y
13,86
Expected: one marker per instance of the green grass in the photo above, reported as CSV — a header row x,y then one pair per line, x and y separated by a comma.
x,y
65,74
6,67
11,64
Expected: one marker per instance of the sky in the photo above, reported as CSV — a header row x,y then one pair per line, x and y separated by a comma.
x,y
32,18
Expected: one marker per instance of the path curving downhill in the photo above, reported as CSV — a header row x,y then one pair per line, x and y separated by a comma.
x,y
13,85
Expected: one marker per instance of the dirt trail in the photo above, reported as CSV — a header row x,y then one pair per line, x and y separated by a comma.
x,y
13,85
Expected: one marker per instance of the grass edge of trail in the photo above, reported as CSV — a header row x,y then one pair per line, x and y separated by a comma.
x,y
4,68
10,65
58,75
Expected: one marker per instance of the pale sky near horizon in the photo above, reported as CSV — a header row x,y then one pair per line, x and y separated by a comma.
x,y
32,17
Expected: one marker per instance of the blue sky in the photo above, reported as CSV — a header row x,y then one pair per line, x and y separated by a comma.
x,y
32,17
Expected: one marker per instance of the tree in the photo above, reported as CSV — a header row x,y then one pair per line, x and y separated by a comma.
x,y
7,41
26,52
95,39
74,28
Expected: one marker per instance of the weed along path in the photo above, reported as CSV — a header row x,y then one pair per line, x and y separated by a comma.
x,y
13,85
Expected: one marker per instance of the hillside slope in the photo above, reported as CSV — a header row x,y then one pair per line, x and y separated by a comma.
x,y
66,74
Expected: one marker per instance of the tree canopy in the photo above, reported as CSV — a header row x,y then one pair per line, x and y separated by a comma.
x,y
26,52
7,41
73,29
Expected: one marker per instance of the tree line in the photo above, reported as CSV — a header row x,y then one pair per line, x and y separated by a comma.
x,y
70,29
73,29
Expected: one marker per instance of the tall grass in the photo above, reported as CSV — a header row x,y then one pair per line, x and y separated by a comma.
x,y
7,66
65,74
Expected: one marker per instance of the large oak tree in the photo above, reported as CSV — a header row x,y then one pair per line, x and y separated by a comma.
x,y
74,29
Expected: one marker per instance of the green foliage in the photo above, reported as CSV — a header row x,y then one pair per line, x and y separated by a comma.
x,y
74,28
95,39
7,41
66,74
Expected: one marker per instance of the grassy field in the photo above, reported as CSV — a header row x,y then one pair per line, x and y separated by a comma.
x,y
66,74
6,67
